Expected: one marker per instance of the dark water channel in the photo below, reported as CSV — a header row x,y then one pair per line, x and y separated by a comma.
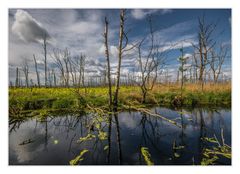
x,y
55,141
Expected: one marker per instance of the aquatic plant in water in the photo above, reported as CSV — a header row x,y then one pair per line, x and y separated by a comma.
x,y
78,158
211,155
146,155
86,138
102,135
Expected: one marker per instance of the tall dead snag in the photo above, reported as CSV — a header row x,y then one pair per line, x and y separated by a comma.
x,y
36,69
71,65
120,50
195,66
57,57
217,61
108,64
82,71
66,62
50,79
148,66
205,44
54,78
25,69
17,78
45,56
76,66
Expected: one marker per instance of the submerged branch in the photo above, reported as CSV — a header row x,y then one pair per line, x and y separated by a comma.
x,y
147,111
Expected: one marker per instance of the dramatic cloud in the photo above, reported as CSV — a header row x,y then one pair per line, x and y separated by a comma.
x,y
81,31
140,13
28,28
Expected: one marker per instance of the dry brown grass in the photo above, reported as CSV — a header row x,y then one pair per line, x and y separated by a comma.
x,y
209,87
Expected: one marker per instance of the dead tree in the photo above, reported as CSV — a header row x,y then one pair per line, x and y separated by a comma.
x,y
217,61
71,66
78,67
82,70
25,69
36,69
57,57
205,44
108,64
45,56
121,47
49,78
54,78
17,78
148,66
66,62
195,66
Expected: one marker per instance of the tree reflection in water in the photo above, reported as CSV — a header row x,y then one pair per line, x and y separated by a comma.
x,y
125,133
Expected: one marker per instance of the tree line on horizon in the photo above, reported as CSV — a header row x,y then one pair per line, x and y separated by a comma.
x,y
205,64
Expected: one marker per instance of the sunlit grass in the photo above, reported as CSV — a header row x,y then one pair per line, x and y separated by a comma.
x,y
58,98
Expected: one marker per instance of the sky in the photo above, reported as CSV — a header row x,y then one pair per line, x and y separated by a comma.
x,y
81,31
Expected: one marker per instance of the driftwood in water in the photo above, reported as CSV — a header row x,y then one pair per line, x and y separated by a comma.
x,y
147,111
26,142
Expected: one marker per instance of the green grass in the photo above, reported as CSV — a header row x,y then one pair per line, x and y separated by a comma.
x,y
22,99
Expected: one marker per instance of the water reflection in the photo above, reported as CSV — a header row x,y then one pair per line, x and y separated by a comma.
x,y
54,140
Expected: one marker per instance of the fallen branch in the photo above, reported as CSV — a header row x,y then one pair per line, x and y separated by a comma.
x,y
147,111
96,110
26,142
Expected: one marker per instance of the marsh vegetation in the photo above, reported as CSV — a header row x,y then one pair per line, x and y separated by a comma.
x,y
144,117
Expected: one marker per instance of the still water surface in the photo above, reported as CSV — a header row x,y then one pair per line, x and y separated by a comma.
x,y
55,140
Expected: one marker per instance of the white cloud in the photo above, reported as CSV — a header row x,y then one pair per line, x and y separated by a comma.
x,y
187,55
81,32
113,51
28,28
176,36
138,14
84,27
141,13
177,44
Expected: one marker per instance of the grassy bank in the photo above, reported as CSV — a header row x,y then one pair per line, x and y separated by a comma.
x,y
24,99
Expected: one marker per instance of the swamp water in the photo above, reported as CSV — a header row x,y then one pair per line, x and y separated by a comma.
x,y
136,138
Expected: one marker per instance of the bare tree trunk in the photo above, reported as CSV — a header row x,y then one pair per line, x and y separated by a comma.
x,y
190,75
217,62
205,44
195,65
201,68
49,78
108,64
120,44
54,78
57,55
149,66
71,71
45,57
17,78
36,69
66,61
26,71
82,72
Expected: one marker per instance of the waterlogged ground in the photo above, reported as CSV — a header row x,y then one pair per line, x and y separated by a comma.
x,y
135,139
